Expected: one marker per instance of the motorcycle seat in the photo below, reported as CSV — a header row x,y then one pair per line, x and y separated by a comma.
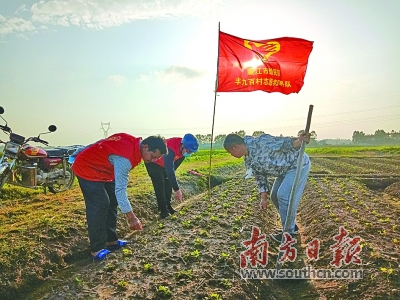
x,y
59,152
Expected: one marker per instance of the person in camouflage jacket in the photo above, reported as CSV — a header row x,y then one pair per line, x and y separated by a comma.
x,y
266,156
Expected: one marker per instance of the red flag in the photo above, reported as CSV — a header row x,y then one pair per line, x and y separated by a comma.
x,y
276,65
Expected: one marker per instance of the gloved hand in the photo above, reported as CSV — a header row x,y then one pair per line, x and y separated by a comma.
x,y
178,195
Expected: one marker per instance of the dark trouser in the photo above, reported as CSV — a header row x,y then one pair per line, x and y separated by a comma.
x,y
161,184
101,212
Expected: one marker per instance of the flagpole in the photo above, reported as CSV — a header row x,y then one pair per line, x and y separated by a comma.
x,y
213,121
290,213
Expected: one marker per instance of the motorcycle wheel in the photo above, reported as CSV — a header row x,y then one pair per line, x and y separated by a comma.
x,y
3,179
57,188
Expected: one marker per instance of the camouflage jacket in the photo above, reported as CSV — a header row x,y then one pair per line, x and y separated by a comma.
x,y
270,156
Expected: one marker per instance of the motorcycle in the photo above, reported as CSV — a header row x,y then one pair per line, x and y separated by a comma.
x,y
24,165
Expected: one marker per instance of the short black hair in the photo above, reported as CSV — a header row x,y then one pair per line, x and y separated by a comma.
x,y
231,140
156,142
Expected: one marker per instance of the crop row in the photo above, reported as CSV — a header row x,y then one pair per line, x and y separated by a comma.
x,y
356,166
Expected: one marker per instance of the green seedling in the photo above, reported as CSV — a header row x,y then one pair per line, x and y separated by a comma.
x,y
226,283
186,224
122,285
214,218
148,267
198,242
164,291
237,219
126,252
184,274
235,235
194,254
204,232
110,267
156,232
225,256
79,281
173,240
214,296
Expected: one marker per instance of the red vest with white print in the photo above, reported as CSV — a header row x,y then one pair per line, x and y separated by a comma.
x,y
93,164
175,145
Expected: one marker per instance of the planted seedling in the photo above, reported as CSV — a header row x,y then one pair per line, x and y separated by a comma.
x,y
186,224
126,252
173,240
122,285
198,242
184,274
193,255
148,267
164,291
204,232
226,283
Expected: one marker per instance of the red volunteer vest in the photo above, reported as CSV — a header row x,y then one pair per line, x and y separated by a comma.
x,y
92,163
175,145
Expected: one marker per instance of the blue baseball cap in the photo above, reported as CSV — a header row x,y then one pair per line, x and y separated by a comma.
x,y
189,141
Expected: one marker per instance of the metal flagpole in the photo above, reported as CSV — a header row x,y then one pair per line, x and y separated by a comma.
x,y
212,129
290,213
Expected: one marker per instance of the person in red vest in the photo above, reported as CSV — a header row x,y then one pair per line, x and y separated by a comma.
x,y
162,171
102,170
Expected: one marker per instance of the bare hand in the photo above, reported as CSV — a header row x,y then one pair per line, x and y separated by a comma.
x,y
263,204
305,137
178,195
302,137
134,222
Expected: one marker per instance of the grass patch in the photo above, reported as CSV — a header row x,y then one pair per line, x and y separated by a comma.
x,y
354,150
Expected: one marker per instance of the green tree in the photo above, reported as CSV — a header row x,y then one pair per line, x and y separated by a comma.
x,y
241,133
381,137
257,133
219,139
358,137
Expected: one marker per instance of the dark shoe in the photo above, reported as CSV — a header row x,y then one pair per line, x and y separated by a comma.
x,y
164,214
277,237
101,255
118,245
171,210
296,230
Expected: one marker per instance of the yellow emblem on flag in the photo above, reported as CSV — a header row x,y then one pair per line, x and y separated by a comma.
x,y
269,47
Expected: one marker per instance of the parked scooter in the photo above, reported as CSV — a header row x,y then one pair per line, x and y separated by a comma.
x,y
28,166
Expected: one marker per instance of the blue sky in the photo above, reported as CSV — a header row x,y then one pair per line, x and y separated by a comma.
x,y
149,67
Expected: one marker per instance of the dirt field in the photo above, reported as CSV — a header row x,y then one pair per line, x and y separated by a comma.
x,y
195,253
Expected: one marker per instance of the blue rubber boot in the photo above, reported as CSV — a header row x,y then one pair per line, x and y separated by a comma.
x,y
101,255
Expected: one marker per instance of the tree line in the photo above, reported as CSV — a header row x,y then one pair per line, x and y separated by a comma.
x,y
219,139
378,138
359,137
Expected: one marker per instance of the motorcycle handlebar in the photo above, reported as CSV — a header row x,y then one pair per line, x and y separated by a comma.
x,y
5,128
37,140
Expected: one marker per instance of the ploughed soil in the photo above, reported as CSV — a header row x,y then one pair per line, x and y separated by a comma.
x,y
195,253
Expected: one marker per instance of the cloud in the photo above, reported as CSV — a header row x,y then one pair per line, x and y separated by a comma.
x,y
20,9
15,26
174,73
102,14
118,79
99,14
